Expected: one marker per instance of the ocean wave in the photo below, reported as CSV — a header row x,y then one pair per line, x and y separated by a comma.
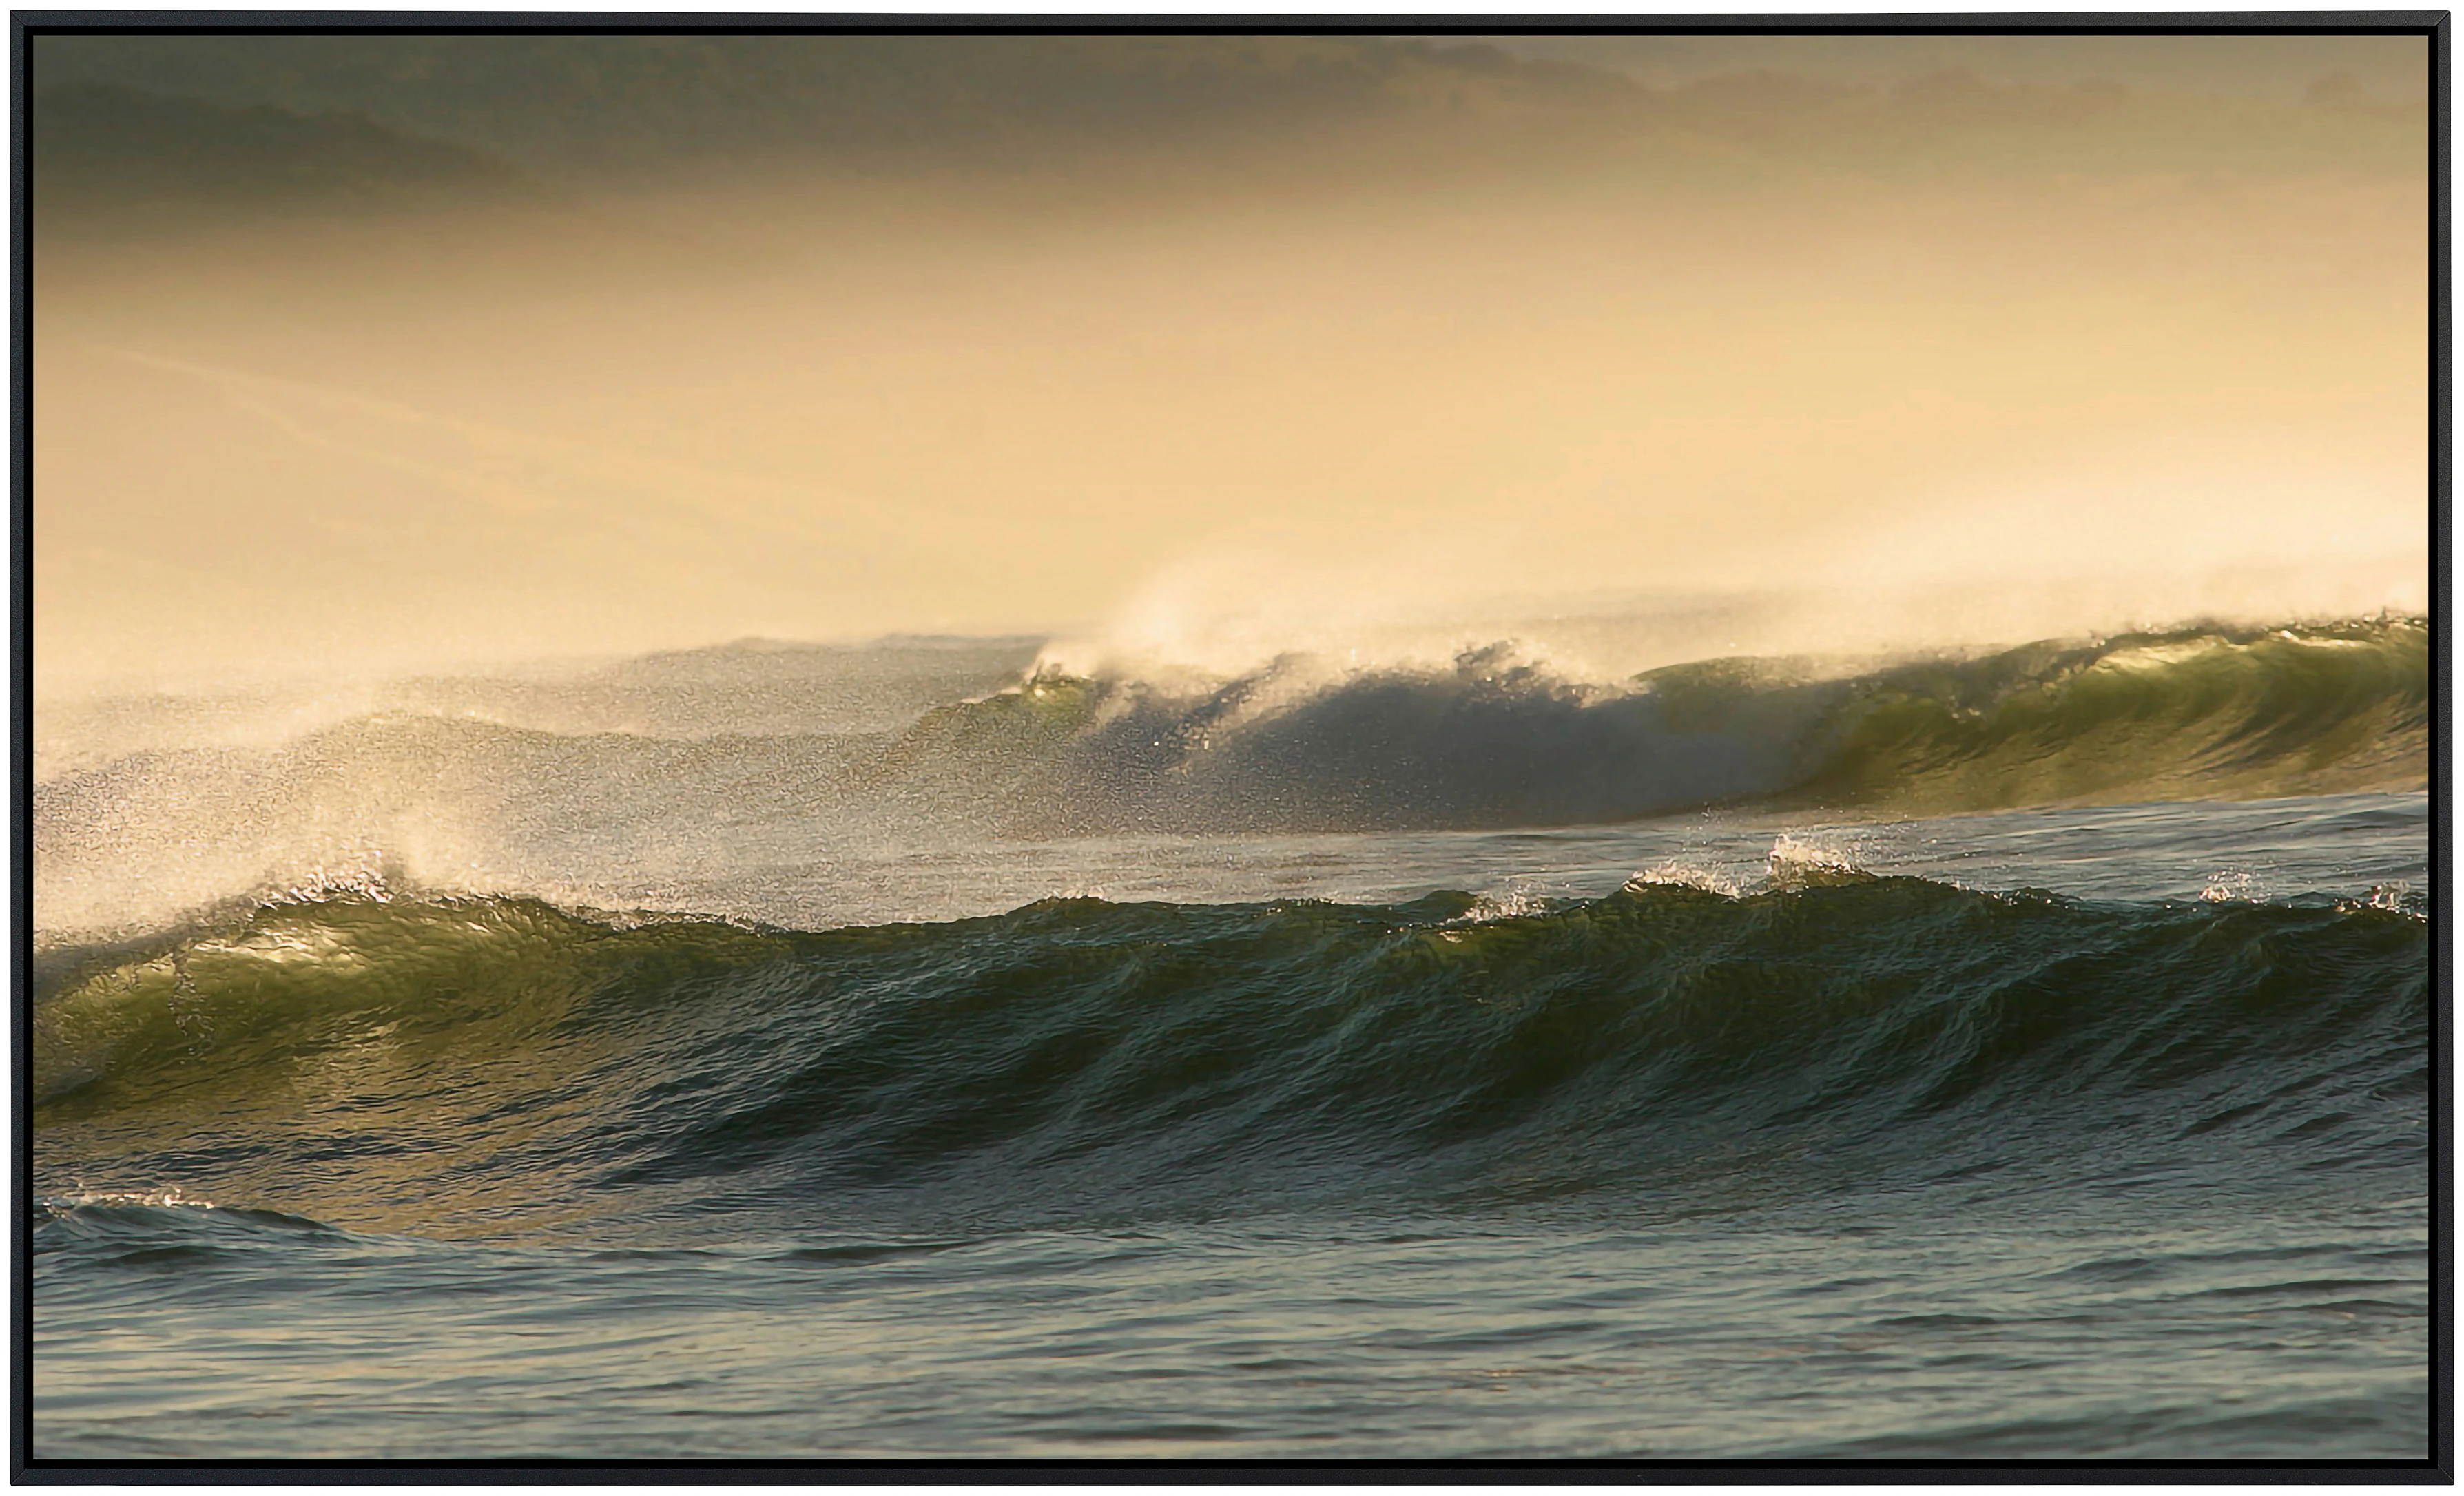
x,y
459,805
328,1053
2196,713
2193,714
128,1226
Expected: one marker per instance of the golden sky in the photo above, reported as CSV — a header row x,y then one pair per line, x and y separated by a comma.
x,y
2099,329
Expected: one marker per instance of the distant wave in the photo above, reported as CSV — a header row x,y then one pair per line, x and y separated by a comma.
x,y
461,805
2208,712
1141,1051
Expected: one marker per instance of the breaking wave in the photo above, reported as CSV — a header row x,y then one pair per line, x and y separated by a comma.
x,y
2208,712
465,806
501,1057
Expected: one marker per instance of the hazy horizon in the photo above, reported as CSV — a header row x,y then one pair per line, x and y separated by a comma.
x,y
1201,348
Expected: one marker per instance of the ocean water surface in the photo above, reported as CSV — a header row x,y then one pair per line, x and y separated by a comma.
x,y
905,1050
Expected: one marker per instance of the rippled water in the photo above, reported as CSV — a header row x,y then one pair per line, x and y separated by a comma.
x,y
1957,1321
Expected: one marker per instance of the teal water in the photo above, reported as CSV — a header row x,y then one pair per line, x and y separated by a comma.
x,y
1748,1130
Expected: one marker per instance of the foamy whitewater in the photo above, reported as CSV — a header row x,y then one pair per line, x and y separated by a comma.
x,y
980,1048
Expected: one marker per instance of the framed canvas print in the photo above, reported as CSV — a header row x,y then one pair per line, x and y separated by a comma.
x,y
809,744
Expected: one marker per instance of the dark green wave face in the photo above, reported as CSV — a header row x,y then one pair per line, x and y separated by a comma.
x,y
2222,715
480,1065
2193,714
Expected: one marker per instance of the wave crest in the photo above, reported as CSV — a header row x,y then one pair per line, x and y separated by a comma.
x,y
377,1050
1494,741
